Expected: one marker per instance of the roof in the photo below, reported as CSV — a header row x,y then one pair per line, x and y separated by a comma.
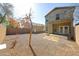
x,y
77,24
59,8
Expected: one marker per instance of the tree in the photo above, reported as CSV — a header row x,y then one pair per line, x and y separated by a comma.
x,y
6,9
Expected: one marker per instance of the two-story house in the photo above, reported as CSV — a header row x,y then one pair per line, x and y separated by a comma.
x,y
60,21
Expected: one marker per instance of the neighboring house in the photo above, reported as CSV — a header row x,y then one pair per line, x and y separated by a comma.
x,y
38,28
60,21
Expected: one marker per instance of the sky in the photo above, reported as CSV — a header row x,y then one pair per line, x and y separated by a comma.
x,y
43,8
39,10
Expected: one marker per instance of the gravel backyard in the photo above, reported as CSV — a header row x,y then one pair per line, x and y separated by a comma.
x,y
53,45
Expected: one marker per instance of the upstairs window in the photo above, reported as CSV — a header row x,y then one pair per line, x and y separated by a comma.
x,y
65,11
46,20
57,17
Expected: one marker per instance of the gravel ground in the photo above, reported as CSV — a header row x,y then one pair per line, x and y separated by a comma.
x,y
53,45
21,47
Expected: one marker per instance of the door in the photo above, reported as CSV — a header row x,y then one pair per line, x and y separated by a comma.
x,y
61,30
64,30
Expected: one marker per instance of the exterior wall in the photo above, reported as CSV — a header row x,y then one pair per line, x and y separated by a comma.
x,y
77,34
49,28
2,33
66,13
11,31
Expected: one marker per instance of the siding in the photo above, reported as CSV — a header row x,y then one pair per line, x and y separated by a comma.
x,y
64,14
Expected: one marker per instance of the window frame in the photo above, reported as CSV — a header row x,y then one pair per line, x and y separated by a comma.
x,y
57,16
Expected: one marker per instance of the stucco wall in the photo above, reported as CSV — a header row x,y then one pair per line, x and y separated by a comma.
x,y
77,34
2,33
50,28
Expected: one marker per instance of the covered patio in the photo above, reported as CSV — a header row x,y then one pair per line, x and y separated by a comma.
x,y
64,27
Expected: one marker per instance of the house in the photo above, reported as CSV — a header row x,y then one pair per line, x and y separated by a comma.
x,y
38,28
60,21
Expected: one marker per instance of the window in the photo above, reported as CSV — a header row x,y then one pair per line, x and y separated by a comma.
x,y
65,11
64,29
57,17
46,20
61,30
